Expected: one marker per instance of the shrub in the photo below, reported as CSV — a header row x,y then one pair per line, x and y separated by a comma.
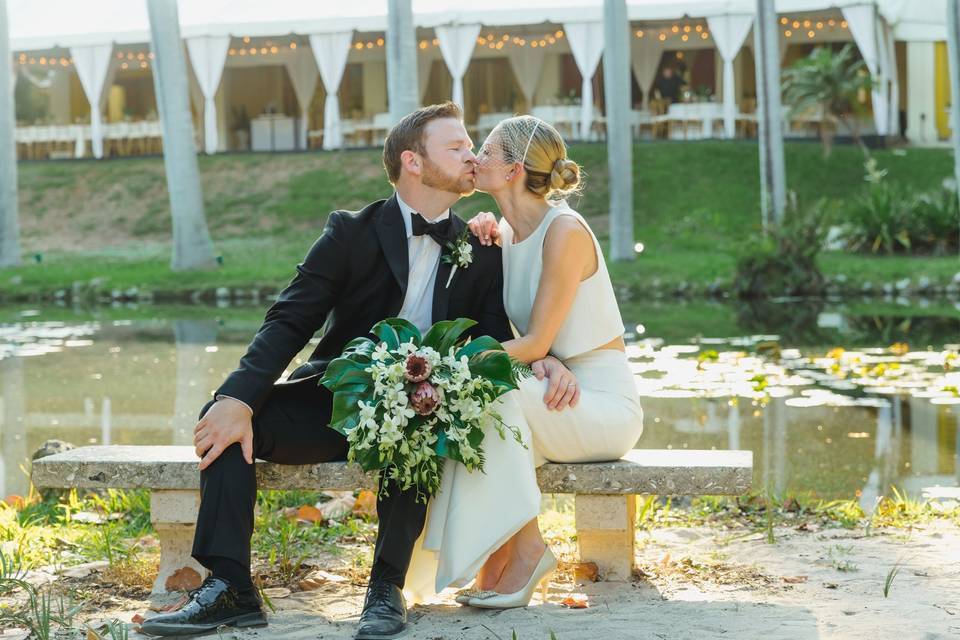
x,y
887,218
784,261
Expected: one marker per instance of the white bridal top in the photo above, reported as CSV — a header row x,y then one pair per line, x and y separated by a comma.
x,y
593,320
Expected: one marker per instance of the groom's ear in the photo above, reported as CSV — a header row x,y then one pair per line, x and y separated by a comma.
x,y
411,162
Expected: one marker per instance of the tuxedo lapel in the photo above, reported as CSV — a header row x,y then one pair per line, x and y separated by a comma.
x,y
393,239
441,292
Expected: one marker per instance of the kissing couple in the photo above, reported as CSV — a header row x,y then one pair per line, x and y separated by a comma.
x,y
536,281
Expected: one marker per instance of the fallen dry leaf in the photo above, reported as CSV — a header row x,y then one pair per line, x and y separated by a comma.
x,y
93,635
340,505
666,560
172,606
366,504
15,501
87,517
585,572
276,592
137,618
183,579
794,579
318,578
575,601
309,513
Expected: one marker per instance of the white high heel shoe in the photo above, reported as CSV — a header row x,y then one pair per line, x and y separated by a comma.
x,y
540,577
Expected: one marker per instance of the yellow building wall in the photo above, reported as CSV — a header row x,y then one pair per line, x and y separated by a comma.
x,y
941,80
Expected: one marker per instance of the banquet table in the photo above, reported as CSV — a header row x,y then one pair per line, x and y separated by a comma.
x,y
72,138
696,119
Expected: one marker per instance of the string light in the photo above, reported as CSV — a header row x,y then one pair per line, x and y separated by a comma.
x,y
684,31
493,41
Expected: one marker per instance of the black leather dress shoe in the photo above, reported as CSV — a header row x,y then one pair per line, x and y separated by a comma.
x,y
384,612
213,604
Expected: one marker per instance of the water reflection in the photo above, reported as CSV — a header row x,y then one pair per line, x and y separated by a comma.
x,y
139,376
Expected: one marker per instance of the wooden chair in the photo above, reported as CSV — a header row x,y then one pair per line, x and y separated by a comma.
x,y
659,123
746,124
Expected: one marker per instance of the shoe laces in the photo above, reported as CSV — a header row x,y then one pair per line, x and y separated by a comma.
x,y
206,584
379,592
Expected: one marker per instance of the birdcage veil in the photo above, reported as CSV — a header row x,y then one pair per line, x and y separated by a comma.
x,y
537,146
514,136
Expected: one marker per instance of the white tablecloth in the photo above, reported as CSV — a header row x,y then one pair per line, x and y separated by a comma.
x,y
704,112
78,134
273,132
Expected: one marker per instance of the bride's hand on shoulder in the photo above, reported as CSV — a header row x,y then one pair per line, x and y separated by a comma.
x,y
484,227
563,389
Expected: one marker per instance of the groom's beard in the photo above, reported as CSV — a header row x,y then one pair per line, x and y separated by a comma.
x,y
432,176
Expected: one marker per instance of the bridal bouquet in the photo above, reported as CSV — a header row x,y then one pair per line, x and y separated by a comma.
x,y
406,401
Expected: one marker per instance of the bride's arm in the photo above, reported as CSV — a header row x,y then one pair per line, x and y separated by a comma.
x,y
568,257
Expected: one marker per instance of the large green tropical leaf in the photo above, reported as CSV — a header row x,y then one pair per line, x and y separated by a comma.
x,y
406,330
444,334
346,371
481,344
346,414
386,333
496,367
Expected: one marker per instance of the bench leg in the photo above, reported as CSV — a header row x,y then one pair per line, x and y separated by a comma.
x,y
174,516
605,528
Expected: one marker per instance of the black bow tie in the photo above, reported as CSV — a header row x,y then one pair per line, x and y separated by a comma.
x,y
439,231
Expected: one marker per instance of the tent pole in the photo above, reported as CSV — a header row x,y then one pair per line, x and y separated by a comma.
x,y
403,96
953,46
616,82
773,181
9,216
192,248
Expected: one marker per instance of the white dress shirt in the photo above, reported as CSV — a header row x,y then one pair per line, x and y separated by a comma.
x,y
424,254
424,260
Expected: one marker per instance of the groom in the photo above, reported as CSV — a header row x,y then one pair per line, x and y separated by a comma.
x,y
379,262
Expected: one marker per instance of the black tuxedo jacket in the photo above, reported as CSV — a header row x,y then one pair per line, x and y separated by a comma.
x,y
354,276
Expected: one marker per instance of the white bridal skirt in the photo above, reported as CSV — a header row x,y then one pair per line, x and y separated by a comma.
x,y
473,514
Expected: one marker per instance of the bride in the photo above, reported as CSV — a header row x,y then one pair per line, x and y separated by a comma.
x,y
560,301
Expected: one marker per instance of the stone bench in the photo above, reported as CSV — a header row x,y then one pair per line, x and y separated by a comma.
x,y
605,492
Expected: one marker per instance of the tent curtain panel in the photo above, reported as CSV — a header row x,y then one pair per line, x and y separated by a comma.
x,y
865,30
893,110
330,51
207,57
645,57
586,44
527,65
424,64
93,65
728,33
302,70
456,46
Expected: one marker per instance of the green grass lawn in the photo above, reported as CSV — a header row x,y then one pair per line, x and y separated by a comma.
x,y
695,206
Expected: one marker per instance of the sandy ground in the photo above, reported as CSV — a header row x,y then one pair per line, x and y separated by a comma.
x,y
697,583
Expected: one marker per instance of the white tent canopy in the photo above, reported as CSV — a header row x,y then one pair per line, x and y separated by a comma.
x,y
47,24
99,25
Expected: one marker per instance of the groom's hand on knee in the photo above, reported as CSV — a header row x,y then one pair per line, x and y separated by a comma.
x,y
227,422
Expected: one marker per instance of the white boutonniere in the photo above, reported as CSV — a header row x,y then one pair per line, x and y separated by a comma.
x,y
459,254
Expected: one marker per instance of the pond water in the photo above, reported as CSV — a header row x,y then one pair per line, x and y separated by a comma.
x,y
845,400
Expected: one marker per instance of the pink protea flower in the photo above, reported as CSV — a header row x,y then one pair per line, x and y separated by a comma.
x,y
424,398
418,369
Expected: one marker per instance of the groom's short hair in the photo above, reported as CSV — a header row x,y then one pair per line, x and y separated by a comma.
x,y
408,134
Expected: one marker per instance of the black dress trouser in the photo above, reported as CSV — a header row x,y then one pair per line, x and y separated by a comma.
x,y
291,428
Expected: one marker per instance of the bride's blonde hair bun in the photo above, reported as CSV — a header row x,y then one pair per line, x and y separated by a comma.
x,y
550,173
565,176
